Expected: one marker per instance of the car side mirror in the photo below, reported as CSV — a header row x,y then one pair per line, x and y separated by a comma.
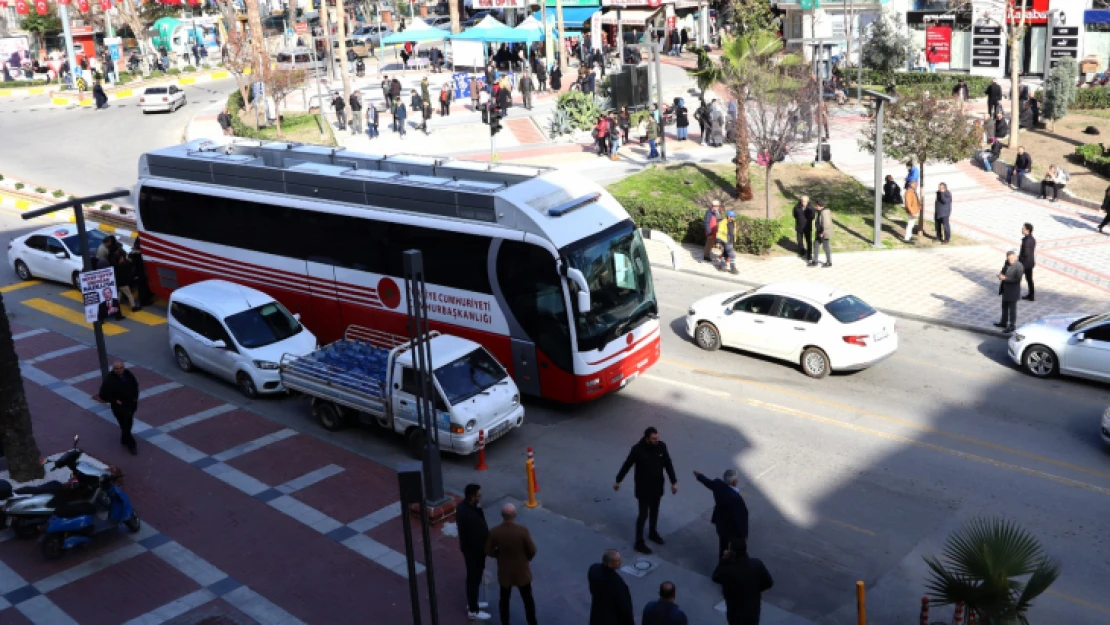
x,y
61,255
1081,337
219,344
297,316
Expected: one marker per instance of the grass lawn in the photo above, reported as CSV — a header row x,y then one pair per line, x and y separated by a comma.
x,y
296,127
1057,146
852,204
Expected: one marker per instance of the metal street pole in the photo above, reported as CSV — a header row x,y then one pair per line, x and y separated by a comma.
x,y
659,97
881,99
63,15
319,93
326,15
86,255
547,38
562,33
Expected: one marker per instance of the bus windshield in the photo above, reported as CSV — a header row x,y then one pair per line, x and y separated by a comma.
x,y
616,267
466,377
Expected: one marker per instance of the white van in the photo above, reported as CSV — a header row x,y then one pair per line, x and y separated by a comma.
x,y
300,58
234,332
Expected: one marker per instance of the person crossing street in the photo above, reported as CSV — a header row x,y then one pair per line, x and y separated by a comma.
x,y
651,459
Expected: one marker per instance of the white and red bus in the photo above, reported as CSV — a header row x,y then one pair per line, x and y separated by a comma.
x,y
543,268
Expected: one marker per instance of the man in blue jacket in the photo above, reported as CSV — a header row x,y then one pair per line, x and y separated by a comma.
x,y
913,174
730,513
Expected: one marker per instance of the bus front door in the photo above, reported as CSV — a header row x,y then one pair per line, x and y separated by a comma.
x,y
327,322
525,368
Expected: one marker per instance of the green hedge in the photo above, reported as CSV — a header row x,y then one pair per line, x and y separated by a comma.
x,y
686,224
941,82
1094,157
1092,98
758,236
14,84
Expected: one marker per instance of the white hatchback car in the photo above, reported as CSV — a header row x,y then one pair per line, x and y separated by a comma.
x,y
168,98
1077,345
53,253
235,332
817,326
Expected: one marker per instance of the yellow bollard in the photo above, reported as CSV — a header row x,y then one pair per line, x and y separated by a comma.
x,y
529,476
861,607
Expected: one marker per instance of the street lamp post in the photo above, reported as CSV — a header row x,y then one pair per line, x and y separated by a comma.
x,y
880,100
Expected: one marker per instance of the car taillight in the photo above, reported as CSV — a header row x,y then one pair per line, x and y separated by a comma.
x,y
860,340
164,100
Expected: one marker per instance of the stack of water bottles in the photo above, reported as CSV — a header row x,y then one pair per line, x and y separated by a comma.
x,y
353,365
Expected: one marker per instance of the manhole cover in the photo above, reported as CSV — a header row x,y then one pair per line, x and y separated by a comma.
x,y
643,565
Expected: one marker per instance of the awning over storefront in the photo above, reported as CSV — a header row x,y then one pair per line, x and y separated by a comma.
x,y
1096,16
628,17
573,17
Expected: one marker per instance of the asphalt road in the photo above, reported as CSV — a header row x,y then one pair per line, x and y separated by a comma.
x,y
85,151
854,477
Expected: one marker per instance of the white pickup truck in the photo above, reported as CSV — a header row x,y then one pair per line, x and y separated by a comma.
x,y
369,376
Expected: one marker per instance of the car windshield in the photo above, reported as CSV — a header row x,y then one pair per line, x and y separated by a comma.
x,y
263,326
1086,322
616,268
466,377
73,242
150,90
849,309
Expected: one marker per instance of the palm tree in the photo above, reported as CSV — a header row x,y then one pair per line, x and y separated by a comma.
x,y
16,437
995,567
742,59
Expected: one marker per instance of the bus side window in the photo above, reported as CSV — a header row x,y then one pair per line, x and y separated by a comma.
x,y
534,292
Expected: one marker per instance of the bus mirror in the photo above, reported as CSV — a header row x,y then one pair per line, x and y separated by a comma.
x,y
583,302
579,279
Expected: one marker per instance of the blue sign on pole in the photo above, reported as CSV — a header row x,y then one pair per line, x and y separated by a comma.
x,y
113,49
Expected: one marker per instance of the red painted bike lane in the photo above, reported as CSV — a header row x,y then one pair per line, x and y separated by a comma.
x,y
247,521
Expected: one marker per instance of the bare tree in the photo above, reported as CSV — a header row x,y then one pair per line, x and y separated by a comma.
x,y
1014,23
279,84
238,61
129,13
17,437
341,33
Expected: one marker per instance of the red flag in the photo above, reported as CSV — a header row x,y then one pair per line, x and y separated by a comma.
x,y
41,7
63,2
21,7
105,4
83,6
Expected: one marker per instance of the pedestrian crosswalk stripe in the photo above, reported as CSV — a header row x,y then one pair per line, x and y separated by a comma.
x,y
142,316
17,286
72,316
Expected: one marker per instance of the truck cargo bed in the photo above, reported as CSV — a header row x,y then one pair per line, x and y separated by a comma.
x,y
348,372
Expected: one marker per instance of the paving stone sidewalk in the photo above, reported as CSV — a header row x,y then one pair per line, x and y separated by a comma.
x,y
244,521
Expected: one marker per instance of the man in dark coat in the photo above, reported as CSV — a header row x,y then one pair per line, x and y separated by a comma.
x,y
416,103
611,601
1009,287
743,580
511,545
1001,127
394,89
651,459
473,534
803,227
356,113
120,390
399,116
664,611
730,513
526,90
994,98
942,212
99,97
1027,257
340,110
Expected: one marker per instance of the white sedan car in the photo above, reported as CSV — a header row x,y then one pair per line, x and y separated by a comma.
x,y
167,99
52,253
817,326
1077,345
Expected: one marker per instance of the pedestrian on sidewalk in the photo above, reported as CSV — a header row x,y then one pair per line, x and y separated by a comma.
x,y
712,216
140,282
942,211
385,89
726,234
730,513
610,599
224,119
356,113
624,121
541,76
475,88
803,227
716,125
120,390
1027,258
960,91
556,78
1023,164
425,90
526,87
1055,178
743,581
372,121
340,111
1009,287
664,610
614,136
651,459
892,193
394,89
824,222
445,99
125,275
994,98
473,534
511,545
701,116
913,209
913,174
1105,209
652,134
399,117
601,135
682,120
427,116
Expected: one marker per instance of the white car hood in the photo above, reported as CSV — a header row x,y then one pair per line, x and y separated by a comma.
x,y
1057,322
489,406
714,304
300,344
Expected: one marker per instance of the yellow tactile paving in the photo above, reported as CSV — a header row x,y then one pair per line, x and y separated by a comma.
x,y
18,285
72,316
142,316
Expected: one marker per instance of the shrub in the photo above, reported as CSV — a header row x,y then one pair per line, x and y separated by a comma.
x,y
40,189
23,83
683,223
1092,98
189,68
1,176
105,207
582,109
58,193
1095,157
757,236
19,185
173,71
157,74
939,83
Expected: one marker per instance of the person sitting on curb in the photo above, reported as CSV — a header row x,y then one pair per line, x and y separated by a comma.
x,y
892,193
1054,179
1023,164
1001,127
993,153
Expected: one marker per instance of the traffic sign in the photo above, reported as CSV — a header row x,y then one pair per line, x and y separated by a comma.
x,y
301,28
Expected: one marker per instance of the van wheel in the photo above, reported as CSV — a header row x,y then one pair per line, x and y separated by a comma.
x,y
246,385
329,416
815,363
183,361
416,443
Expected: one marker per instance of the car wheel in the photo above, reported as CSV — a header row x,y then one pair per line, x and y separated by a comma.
x,y
246,385
1040,361
328,416
75,279
707,337
22,271
815,363
183,361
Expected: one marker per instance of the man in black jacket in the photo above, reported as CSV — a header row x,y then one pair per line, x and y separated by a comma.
x,y
803,227
1027,257
730,513
1001,127
942,213
120,390
743,581
473,533
651,459
611,601
1023,164
994,98
340,110
1009,287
